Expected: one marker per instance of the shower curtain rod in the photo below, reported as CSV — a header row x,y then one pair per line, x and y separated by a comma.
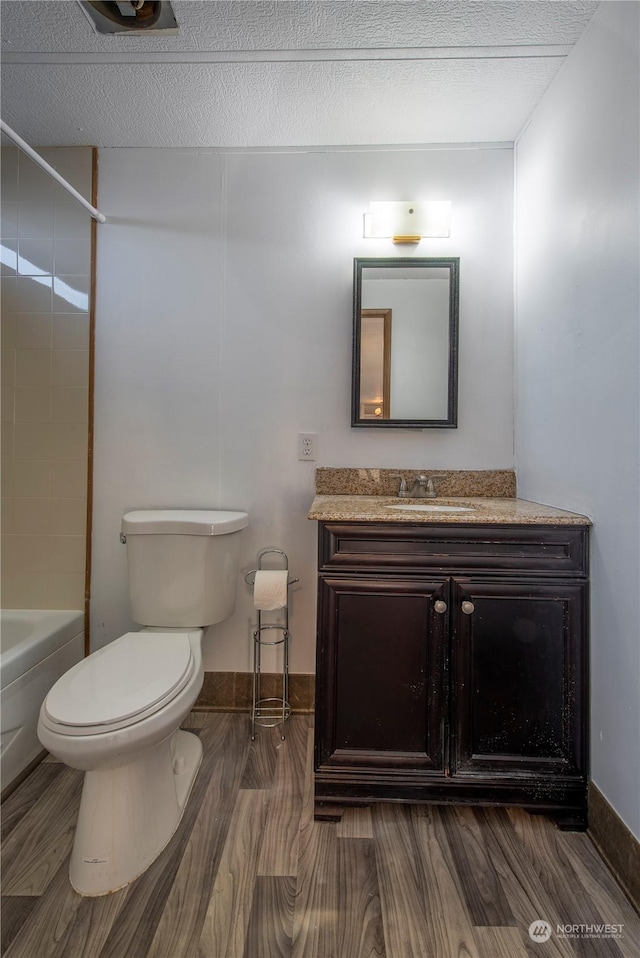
x,y
97,215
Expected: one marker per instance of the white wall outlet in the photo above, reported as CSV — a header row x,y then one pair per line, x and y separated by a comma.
x,y
307,446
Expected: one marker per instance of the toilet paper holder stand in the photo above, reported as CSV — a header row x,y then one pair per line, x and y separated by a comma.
x,y
270,711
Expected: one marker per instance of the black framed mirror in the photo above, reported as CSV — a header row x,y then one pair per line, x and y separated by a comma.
x,y
405,343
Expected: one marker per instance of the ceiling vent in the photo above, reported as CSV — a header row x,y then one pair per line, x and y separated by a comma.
x,y
130,16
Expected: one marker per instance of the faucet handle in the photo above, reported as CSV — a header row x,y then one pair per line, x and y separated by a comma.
x,y
402,489
431,489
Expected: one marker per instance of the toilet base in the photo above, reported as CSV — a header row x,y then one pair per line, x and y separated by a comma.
x,y
128,814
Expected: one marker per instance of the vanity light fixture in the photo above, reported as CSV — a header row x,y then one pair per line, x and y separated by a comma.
x,y
407,221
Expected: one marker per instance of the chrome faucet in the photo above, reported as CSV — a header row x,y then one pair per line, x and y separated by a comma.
x,y
423,487
402,488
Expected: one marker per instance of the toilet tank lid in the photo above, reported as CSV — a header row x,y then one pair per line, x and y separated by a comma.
x,y
185,522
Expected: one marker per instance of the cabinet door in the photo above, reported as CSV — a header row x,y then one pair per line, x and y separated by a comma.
x,y
519,677
381,673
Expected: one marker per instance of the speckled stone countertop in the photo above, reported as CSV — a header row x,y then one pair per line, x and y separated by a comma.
x,y
342,481
485,509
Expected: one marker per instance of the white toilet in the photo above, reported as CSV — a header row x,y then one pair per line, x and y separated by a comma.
x,y
116,714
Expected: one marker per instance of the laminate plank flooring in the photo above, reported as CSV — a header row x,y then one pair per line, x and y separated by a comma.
x,y
279,852
33,852
482,890
270,929
250,874
227,916
450,922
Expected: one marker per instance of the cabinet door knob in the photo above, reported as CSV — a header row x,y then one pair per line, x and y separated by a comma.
x,y
440,606
467,607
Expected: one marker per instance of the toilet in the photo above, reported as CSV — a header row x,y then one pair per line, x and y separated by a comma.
x,y
116,714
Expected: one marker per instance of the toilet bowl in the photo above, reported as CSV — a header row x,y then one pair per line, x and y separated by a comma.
x,y
139,765
116,714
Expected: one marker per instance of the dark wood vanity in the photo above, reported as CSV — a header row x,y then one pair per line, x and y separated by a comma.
x,y
452,664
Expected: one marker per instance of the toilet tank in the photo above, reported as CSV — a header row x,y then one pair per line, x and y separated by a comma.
x,y
183,565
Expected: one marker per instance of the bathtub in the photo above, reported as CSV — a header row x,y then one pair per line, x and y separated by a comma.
x,y
36,648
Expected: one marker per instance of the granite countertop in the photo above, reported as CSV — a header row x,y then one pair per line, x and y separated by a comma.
x,y
332,508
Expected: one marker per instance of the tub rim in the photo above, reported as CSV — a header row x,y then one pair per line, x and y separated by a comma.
x,y
53,629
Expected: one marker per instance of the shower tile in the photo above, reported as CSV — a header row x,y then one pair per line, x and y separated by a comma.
x,y
69,479
33,367
65,590
71,331
7,467
32,440
33,404
28,590
6,555
35,257
9,219
8,440
35,220
70,294
68,517
9,174
74,163
45,548
70,404
8,592
34,294
32,477
71,222
70,367
69,440
33,331
8,366
31,516
8,395
30,553
72,257
8,325
66,553
9,257
35,183
6,510
9,294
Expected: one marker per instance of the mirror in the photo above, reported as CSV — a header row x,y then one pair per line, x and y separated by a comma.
x,y
405,343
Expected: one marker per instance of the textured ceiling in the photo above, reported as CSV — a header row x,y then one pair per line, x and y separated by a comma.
x,y
313,73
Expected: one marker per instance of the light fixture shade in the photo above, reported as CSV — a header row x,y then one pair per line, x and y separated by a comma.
x,y
408,220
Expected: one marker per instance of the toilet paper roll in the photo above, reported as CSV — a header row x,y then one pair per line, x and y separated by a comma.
x,y
270,590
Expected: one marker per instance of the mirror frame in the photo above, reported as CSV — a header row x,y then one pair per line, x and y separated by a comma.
x,y
401,262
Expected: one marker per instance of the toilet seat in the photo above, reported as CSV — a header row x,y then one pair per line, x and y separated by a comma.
x,y
128,680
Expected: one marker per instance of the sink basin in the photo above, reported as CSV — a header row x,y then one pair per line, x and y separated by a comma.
x,y
432,507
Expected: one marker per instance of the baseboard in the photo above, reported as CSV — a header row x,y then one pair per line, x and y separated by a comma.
x,y
618,846
232,691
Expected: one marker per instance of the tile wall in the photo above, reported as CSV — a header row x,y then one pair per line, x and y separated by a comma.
x,y
46,266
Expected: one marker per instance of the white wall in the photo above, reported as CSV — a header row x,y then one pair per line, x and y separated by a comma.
x,y
224,293
577,359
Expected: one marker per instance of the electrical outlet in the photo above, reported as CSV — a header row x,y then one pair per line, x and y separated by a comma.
x,y
307,446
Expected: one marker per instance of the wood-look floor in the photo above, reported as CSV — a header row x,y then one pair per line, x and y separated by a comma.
x,y
249,874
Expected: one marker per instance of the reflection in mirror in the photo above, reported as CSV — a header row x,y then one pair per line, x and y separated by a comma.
x,y
375,363
405,342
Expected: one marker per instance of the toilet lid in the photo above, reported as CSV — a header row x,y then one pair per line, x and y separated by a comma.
x,y
138,671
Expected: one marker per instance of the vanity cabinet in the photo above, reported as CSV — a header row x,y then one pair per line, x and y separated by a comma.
x,y
452,666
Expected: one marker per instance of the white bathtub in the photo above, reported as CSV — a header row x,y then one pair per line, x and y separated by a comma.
x,y
37,647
